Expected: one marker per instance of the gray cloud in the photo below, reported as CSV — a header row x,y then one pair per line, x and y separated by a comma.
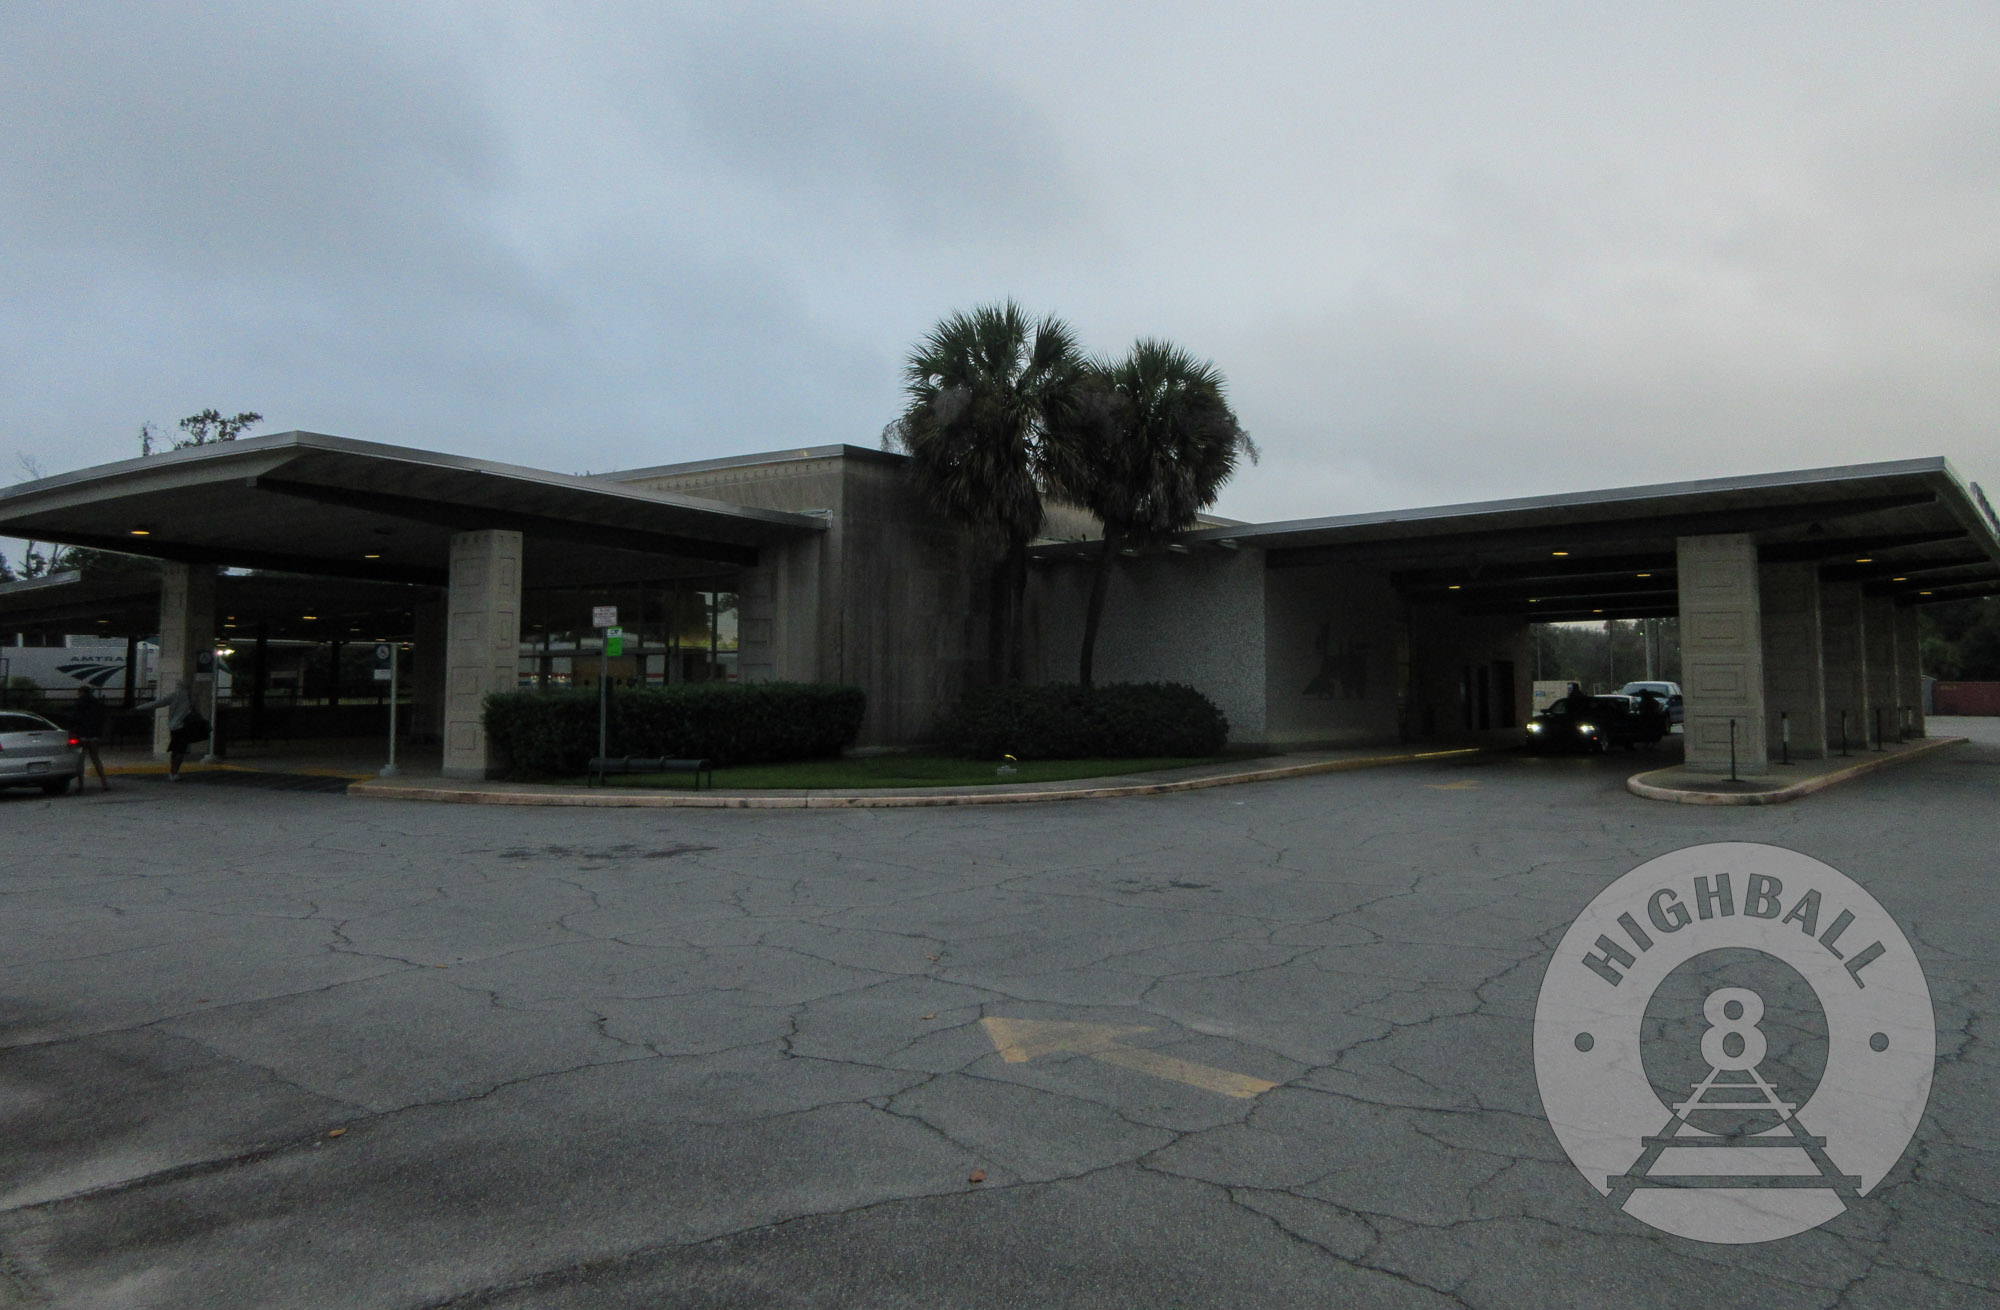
x,y
1442,254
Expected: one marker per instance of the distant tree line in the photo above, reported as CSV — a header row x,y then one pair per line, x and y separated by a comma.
x,y
1961,639
1602,657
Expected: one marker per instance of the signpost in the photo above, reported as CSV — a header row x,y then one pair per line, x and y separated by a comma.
x,y
605,619
386,665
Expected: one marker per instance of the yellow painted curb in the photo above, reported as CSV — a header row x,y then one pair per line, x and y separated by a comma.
x,y
863,801
1638,786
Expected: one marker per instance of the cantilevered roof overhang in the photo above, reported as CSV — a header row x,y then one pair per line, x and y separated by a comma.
x,y
286,606
304,502
1909,529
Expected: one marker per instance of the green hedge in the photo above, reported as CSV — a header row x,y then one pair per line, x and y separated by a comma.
x,y
1066,722
731,723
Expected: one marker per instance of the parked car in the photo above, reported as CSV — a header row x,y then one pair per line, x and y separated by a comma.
x,y
1610,720
36,753
1668,692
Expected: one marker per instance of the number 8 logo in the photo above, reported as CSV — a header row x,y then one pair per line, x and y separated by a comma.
x,y
1742,1025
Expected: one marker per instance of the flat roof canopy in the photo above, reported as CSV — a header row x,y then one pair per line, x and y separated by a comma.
x,y
286,606
304,502
1908,529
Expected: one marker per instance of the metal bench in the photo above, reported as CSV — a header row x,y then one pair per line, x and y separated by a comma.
x,y
602,767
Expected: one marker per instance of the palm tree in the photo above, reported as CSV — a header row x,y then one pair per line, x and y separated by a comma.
x,y
986,390
1153,441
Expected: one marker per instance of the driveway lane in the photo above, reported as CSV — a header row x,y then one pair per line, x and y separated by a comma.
x,y
735,1058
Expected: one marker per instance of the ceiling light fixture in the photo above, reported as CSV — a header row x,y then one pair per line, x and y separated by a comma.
x,y
1642,575
1558,552
1865,559
1452,587
142,532
1899,579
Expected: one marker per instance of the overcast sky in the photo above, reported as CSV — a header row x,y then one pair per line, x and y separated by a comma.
x,y
1442,251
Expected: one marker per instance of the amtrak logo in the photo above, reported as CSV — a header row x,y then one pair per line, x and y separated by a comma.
x,y
97,673
1734,1043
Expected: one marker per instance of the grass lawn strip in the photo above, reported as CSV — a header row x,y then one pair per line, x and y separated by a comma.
x,y
902,771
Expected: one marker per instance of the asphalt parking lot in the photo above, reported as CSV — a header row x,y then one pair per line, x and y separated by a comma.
x,y
1256,1045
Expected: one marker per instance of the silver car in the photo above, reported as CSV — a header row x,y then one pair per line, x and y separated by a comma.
x,y
36,753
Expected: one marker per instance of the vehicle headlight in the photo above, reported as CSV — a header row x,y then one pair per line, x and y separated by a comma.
x,y
1534,727
1585,727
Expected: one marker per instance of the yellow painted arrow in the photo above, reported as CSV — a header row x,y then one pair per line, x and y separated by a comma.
x,y
1020,1040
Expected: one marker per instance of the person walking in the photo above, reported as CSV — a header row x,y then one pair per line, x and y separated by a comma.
x,y
87,722
185,725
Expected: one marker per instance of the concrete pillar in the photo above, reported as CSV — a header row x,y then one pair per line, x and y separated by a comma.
x,y
427,667
1909,671
482,643
1843,662
777,616
1722,652
187,634
1794,688
1878,639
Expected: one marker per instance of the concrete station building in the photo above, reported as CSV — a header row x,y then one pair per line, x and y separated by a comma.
x,y
1797,592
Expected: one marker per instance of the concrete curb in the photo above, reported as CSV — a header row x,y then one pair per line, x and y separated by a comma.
x,y
1638,786
863,800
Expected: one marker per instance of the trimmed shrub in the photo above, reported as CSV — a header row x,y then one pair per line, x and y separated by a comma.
x,y
1063,721
731,723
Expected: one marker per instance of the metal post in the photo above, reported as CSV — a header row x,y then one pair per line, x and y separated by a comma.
x,y
1732,750
259,687
1785,725
603,695
395,668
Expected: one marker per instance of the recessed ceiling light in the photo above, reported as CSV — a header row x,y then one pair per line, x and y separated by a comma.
x,y
1558,552
371,557
1597,611
1865,559
1642,575
1452,587
1923,593
308,617
1899,579
142,532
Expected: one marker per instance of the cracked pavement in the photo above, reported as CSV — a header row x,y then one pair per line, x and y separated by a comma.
x,y
271,1049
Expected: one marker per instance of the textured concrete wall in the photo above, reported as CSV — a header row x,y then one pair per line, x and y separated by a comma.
x,y
1722,652
1878,639
482,642
187,628
1451,655
777,624
1843,662
890,598
1197,619
1909,671
1794,690
914,603
1333,637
